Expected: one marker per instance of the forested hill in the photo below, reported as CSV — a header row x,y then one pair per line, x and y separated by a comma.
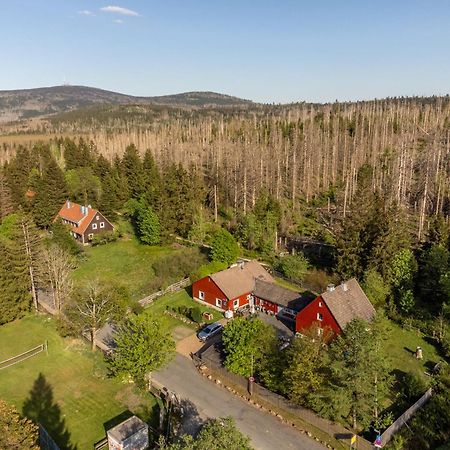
x,y
27,103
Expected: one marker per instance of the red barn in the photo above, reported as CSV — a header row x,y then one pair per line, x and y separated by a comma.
x,y
335,308
231,288
84,221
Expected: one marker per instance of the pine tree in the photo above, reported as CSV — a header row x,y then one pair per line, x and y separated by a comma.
x,y
16,432
133,170
152,180
6,205
14,281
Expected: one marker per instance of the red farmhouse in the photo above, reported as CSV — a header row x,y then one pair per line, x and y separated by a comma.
x,y
335,308
247,284
84,221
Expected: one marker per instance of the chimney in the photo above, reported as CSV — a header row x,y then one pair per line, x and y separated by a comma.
x,y
330,288
68,205
345,287
241,264
82,209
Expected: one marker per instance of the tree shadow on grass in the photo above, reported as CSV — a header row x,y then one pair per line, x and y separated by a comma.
x,y
41,408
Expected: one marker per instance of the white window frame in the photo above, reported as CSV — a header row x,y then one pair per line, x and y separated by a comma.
x,y
319,331
97,218
319,317
236,304
320,304
90,235
94,226
102,224
218,302
201,295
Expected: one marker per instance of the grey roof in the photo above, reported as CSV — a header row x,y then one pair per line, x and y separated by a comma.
x,y
126,429
274,293
240,279
347,302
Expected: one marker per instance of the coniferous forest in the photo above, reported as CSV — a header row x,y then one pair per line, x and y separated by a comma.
x,y
369,182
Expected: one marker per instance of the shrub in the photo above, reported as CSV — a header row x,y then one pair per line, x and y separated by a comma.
x,y
293,267
173,267
103,238
196,314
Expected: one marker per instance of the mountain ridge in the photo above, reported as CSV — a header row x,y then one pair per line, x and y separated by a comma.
x,y
21,104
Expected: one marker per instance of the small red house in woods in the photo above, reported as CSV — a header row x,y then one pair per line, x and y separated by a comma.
x,y
84,221
335,308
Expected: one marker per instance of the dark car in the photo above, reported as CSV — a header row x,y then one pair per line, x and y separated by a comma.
x,y
209,331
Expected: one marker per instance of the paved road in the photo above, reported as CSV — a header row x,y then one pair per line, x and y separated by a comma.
x,y
265,431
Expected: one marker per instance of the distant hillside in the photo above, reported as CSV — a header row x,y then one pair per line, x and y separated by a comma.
x,y
28,103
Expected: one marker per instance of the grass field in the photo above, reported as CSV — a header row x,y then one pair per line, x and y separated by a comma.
x,y
401,347
125,263
72,375
180,298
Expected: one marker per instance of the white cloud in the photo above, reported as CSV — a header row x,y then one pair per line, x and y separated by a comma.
x,y
119,10
85,12
119,21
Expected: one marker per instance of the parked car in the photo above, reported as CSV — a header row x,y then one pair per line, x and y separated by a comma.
x,y
209,331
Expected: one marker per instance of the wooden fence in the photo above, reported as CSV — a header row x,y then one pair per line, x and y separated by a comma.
x,y
178,286
23,356
401,421
260,394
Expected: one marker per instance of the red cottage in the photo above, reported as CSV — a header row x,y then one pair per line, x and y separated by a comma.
x,y
84,221
335,308
231,288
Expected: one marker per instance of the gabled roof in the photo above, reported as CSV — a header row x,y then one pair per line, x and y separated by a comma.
x,y
126,429
240,279
347,302
276,294
78,214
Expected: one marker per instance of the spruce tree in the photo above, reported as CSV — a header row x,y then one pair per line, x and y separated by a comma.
x,y
6,205
133,170
152,180
14,285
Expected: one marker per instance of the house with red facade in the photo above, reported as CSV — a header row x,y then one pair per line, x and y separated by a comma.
x,y
247,284
335,308
84,221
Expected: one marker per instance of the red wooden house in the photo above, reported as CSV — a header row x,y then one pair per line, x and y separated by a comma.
x,y
231,288
247,284
84,221
335,308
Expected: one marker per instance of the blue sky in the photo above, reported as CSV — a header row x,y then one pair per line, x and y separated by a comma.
x,y
270,51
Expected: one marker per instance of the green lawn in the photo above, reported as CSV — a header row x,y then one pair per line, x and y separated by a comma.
x,y
180,298
401,347
125,263
72,374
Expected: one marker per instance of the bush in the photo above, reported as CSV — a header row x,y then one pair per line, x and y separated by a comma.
x,y
103,238
66,328
196,314
177,266
293,267
318,280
